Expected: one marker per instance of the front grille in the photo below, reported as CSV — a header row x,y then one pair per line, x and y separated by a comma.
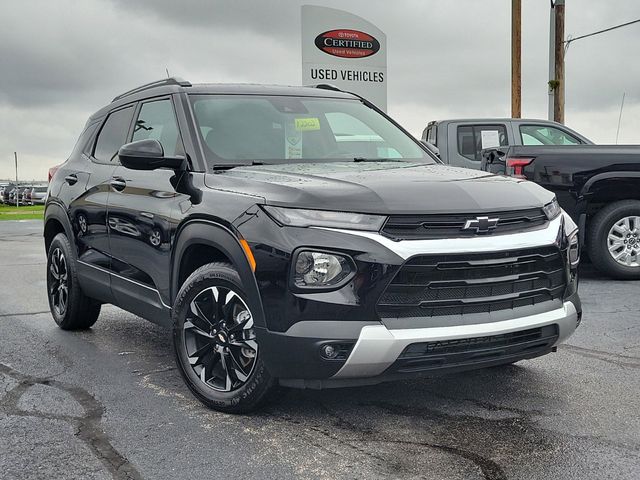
x,y
465,284
469,351
415,227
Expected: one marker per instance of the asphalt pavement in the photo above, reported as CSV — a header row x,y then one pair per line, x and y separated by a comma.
x,y
109,403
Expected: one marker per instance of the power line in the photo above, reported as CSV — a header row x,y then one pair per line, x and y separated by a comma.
x,y
568,41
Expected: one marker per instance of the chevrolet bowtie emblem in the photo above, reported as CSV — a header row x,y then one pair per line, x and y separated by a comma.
x,y
481,224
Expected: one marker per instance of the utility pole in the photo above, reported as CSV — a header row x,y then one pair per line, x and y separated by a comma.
x,y
558,85
15,156
552,62
516,42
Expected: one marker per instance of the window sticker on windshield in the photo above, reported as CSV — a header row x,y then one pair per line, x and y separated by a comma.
x,y
306,124
292,141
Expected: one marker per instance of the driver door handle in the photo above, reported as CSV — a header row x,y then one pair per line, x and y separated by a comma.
x,y
71,179
118,183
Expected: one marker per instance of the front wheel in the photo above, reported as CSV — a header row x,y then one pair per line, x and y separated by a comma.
x,y
614,239
215,343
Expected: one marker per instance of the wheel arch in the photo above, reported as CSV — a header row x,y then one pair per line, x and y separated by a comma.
x,y
201,241
56,221
604,189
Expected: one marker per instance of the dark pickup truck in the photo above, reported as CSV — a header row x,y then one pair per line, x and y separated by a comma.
x,y
597,185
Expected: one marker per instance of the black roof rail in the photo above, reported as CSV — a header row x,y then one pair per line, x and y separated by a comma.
x,y
159,83
326,86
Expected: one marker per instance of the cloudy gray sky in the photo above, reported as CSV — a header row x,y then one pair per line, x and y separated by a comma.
x,y
60,60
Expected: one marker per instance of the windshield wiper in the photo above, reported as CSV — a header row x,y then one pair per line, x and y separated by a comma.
x,y
364,159
229,166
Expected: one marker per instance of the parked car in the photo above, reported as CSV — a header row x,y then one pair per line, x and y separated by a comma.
x,y
24,194
598,185
11,197
461,142
38,195
279,252
3,187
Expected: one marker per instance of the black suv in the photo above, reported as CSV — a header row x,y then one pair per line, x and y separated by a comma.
x,y
298,236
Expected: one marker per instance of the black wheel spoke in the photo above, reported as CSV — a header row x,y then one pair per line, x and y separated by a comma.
x,y
239,371
189,325
198,357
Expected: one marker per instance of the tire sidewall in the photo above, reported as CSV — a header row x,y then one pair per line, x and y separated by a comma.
x,y
599,248
60,241
259,381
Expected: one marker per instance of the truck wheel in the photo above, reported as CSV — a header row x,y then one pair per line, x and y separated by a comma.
x,y
70,307
614,240
215,342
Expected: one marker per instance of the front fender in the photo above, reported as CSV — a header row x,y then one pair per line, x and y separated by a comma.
x,y
222,238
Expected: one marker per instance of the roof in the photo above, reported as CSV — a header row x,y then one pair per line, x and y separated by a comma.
x,y
177,85
489,120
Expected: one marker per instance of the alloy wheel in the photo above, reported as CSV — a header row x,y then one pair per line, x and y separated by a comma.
x,y
219,339
623,241
58,282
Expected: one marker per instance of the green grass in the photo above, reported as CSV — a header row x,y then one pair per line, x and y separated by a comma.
x,y
8,212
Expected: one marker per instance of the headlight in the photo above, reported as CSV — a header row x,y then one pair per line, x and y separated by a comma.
x,y
295,217
552,210
321,269
573,252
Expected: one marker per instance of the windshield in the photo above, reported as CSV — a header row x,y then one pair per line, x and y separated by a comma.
x,y
246,129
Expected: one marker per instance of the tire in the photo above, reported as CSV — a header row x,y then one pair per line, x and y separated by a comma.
x,y
70,307
214,342
601,236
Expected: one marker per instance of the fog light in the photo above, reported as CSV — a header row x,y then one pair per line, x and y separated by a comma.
x,y
336,351
321,269
329,351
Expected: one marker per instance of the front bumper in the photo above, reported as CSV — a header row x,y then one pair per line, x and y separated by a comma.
x,y
377,349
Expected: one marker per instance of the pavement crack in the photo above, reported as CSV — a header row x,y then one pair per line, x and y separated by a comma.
x,y
23,314
88,426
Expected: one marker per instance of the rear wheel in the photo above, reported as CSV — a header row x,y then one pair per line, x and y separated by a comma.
x,y
614,240
70,307
215,343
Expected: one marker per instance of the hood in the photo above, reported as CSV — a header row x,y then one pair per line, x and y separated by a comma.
x,y
381,187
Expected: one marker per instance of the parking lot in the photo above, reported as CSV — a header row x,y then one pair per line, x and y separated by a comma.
x,y
109,403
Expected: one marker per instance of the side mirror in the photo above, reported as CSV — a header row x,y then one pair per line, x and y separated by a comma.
x,y
148,155
431,147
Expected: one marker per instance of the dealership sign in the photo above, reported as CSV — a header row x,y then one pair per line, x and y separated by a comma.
x,y
346,51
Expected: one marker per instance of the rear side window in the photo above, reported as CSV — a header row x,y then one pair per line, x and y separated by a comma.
x,y
113,135
472,139
546,135
84,142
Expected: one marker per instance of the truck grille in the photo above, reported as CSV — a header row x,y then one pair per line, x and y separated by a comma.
x,y
416,227
463,284
469,351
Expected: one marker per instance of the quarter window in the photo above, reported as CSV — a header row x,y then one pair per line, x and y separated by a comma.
x,y
113,135
157,121
472,139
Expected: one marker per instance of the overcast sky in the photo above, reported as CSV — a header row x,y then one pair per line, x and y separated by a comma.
x,y
61,60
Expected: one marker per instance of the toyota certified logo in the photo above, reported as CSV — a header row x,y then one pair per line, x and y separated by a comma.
x,y
347,43
481,224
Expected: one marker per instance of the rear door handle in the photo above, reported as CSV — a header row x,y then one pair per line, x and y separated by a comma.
x,y
71,179
118,183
